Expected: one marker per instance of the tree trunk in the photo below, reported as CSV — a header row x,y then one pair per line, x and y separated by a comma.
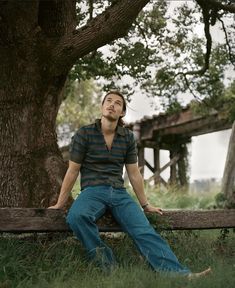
x,y
32,168
228,182
39,44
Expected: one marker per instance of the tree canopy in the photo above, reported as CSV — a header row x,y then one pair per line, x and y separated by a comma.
x,y
167,52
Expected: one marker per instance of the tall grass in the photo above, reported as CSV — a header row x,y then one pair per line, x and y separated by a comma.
x,y
58,260
175,197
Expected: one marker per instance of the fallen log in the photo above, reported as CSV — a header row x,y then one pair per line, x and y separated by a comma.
x,y
21,220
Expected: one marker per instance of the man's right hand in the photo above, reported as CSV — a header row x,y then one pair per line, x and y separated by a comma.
x,y
56,206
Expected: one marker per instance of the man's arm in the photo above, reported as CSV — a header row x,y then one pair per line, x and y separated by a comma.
x,y
67,185
137,183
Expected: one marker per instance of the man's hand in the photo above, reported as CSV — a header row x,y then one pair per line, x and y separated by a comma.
x,y
56,206
151,209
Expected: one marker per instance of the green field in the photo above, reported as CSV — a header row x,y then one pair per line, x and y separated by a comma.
x,y
58,260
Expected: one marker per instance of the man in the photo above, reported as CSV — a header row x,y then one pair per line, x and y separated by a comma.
x,y
99,151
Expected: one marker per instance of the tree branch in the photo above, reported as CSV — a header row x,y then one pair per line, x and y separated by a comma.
x,y
91,8
206,19
206,7
113,23
214,3
191,91
227,42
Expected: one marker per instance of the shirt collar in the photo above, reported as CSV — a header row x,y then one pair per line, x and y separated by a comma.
x,y
120,130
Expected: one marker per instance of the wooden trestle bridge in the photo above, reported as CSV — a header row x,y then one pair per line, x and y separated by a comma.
x,y
173,133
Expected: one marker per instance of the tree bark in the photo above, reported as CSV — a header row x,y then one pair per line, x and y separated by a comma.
x,y
32,168
228,182
39,44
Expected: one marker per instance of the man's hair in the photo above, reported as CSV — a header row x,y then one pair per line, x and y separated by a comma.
x,y
120,121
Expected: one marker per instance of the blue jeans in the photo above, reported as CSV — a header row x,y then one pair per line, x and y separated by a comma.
x,y
93,202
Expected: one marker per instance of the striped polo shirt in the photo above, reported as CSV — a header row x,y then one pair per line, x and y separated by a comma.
x,y
101,166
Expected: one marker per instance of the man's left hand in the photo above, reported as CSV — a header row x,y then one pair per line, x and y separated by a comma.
x,y
152,209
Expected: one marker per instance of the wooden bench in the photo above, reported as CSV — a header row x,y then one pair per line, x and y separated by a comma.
x,y
22,220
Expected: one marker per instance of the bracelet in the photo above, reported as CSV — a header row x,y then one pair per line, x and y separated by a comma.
x,y
145,205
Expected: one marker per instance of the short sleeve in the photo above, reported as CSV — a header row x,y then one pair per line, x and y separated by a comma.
x,y
131,156
78,146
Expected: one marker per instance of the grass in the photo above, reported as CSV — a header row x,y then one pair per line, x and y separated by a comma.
x,y
174,197
58,260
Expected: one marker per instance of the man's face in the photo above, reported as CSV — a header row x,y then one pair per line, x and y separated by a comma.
x,y
112,107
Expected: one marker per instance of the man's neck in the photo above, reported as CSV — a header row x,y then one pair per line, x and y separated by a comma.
x,y
108,127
